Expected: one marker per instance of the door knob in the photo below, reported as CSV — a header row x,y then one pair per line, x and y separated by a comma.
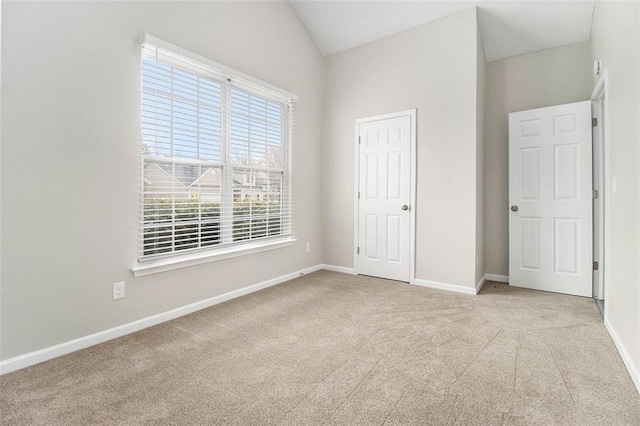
x,y
405,207
514,208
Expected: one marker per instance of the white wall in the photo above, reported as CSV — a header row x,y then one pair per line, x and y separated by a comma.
x,y
431,67
70,137
615,42
550,77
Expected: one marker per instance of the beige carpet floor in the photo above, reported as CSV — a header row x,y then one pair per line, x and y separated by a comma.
x,y
329,348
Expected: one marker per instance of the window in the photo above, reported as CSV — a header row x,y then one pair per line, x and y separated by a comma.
x,y
215,155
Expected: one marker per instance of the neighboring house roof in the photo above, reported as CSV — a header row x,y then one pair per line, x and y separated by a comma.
x,y
156,174
185,174
187,177
212,177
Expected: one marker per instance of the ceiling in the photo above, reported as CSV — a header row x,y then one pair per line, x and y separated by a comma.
x,y
508,28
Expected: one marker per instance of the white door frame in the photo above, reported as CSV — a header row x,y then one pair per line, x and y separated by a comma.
x,y
600,92
412,211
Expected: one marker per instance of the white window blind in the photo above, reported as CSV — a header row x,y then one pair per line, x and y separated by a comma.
x,y
216,155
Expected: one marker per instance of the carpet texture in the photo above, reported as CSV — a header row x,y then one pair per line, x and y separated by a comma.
x,y
330,348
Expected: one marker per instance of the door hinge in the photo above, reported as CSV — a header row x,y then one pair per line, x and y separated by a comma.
x,y
358,250
359,139
596,266
595,194
594,122
358,195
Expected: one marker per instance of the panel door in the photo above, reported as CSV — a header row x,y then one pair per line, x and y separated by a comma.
x,y
384,198
550,190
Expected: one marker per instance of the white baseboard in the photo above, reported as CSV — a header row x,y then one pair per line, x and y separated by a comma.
x,y
497,278
626,358
36,357
342,269
445,286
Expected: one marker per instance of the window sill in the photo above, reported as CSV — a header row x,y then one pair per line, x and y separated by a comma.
x,y
183,261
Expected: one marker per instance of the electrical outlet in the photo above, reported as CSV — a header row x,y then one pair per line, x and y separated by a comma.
x,y
118,290
308,248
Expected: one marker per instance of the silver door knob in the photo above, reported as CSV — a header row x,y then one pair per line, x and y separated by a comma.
x,y
514,208
405,207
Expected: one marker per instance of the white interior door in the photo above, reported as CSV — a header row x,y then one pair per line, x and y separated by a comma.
x,y
384,220
550,191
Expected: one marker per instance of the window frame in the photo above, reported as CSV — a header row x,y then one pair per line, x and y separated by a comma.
x,y
229,79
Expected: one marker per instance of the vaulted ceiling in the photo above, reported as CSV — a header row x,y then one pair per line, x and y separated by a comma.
x,y
508,28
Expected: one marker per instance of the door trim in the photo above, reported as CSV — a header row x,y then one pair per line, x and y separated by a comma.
x,y
601,92
413,179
